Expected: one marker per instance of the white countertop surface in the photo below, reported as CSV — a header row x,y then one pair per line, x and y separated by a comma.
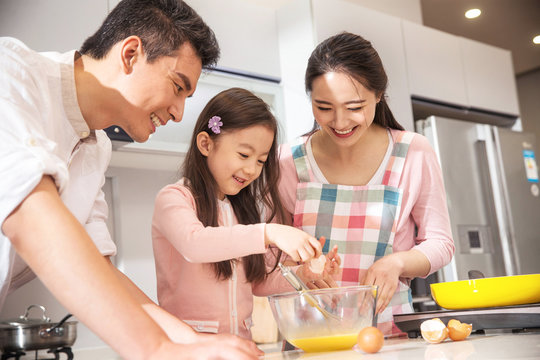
x,y
475,347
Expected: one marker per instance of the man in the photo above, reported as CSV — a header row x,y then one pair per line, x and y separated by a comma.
x,y
135,72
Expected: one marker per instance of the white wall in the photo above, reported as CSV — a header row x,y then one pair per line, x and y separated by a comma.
x,y
246,33
134,191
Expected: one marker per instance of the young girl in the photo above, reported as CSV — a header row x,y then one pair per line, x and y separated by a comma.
x,y
209,242
362,182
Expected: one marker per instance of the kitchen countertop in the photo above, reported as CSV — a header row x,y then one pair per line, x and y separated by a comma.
x,y
476,347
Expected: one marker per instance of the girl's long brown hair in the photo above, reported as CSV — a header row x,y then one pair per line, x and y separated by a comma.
x,y
238,109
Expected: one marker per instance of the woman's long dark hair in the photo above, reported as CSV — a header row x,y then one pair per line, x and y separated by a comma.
x,y
238,109
353,55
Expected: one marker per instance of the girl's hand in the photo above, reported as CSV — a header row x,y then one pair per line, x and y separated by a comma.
x,y
384,273
328,277
299,245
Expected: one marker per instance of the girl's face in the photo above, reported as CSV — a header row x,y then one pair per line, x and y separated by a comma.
x,y
236,158
342,107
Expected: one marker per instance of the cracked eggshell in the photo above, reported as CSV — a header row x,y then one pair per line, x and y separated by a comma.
x,y
316,265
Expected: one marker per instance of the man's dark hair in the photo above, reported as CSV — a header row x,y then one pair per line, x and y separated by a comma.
x,y
162,25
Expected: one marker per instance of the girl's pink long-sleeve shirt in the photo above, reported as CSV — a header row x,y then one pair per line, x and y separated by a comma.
x,y
423,205
183,247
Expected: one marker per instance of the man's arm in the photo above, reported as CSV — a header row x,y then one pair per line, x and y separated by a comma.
x,y
57,248
177,330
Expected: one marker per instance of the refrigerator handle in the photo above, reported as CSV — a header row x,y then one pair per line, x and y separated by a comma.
x,y
489,138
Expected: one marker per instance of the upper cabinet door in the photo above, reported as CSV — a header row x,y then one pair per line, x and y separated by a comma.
x,y
247,35
52,25
388,43
489,75
434,64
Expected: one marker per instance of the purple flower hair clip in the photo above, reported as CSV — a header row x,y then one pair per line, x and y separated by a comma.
x,y
215,124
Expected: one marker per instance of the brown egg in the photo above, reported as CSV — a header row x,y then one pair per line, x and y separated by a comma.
x,y
370,339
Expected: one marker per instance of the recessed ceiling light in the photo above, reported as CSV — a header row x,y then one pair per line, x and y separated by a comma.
x,y
472,13
536,39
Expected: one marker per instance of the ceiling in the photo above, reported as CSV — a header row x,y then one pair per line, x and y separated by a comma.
x,y
508,24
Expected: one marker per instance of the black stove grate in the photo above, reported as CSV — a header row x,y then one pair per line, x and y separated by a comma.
x,y
12,354
16,355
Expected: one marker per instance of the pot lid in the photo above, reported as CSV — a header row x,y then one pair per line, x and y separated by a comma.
x,y
25,320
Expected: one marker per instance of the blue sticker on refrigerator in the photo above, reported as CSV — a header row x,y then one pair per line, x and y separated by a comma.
x,y
531,170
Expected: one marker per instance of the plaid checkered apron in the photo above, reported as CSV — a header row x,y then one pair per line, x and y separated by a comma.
x,y
360,220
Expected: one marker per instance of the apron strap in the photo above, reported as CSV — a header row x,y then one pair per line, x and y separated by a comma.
x,y
394,168
299,153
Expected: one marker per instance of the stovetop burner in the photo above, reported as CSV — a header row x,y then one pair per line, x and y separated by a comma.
x,y
515,318
56,352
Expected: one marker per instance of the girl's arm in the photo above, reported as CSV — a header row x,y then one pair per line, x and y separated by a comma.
x,y
175,220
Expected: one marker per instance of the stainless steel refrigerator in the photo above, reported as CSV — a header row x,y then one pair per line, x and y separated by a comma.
x,y
491,180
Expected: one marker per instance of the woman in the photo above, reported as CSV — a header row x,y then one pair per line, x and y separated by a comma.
x,y
363,182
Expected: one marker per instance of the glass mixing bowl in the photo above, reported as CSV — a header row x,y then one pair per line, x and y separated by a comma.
x,y
305,326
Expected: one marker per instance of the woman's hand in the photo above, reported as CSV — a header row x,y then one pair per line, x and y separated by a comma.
x,y
384,273
299,245
328,277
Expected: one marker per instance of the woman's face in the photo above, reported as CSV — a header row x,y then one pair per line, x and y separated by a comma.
x,y
342,106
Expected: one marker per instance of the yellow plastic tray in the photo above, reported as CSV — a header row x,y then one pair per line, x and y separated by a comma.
x,y
487,292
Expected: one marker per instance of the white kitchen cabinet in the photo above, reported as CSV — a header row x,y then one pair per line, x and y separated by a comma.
x,y
247,35
434,64
459,71
52,25
246,31
489,77
172,141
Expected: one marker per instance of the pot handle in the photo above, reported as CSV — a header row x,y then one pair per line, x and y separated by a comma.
x,y
56,330
27,312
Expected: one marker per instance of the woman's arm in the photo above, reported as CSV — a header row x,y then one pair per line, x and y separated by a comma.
x,y
425,217
423,207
